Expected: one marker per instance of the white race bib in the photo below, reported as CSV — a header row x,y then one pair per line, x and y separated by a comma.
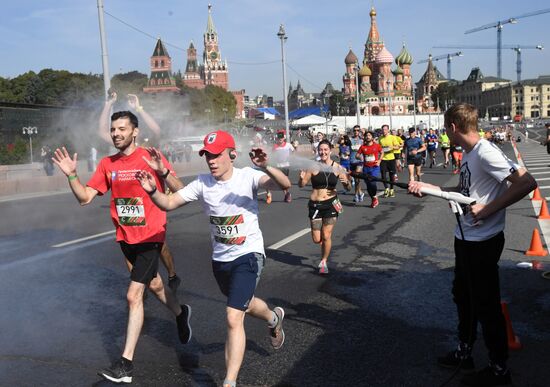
x,y
229,230
130,211
386,149
370,158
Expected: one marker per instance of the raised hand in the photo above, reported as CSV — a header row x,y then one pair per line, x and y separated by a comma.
x,y
112,97
146,180
258,157
66,164
133,101
155,162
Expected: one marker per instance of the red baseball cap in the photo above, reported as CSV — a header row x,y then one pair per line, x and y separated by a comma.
x,y
216,142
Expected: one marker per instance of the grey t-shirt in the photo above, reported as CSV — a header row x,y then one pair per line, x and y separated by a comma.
x,y
482,177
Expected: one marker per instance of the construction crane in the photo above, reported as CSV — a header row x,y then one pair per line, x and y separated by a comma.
x,y
516,47
498,25
439,57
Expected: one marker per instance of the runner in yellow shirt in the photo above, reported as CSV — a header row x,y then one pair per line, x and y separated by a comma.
x,y
397,153
445,146
389,144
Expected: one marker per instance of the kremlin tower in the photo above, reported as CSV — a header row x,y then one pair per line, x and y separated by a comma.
x,y
161,79
212,71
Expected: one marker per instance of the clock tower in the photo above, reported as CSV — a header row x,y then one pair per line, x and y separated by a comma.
x,y
214,69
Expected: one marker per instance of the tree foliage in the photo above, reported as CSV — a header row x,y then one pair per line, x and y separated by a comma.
x,y
444,93
63,88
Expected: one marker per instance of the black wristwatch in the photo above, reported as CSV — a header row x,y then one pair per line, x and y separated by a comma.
x,y
166,174
152,192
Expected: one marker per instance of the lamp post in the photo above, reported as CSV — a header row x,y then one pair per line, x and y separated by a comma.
x,y
388,84
369,113
282,35
104,55
414,104
30,130
358,111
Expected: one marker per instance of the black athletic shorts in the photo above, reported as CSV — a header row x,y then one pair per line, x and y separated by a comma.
x,y
322,209
144,258
416,161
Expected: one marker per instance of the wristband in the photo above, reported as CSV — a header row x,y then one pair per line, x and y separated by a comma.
x,y
72,177
152,192
139,109
165,175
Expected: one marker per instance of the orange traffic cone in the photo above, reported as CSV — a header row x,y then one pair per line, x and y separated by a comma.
x,y
536,194
536,248
543,214
513,340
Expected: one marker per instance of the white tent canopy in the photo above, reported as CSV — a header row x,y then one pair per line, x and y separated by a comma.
x,y
310,120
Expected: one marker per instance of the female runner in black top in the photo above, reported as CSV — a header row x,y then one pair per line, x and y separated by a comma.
x,y
324,205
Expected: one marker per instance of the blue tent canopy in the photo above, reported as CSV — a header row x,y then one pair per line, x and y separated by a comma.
x,y
307,111
269,111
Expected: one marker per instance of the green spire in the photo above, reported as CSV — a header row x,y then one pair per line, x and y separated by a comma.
x,y
160,50
210,29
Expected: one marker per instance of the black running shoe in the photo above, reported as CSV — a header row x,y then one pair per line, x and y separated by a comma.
x,y
118,373
174,283
184,328
489,376
454,358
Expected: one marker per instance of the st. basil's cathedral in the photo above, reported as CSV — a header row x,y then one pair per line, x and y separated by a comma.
x,y
377,80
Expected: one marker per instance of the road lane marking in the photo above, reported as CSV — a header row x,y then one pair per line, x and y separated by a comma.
x,y
289,239
540,173
84,239
537,168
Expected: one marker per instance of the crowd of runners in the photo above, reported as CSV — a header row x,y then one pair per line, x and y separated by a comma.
x,y
144,187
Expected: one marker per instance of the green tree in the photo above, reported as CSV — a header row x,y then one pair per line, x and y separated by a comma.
x,y
444,93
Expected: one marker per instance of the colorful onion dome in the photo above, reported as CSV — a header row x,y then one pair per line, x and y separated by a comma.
x,y
351,58
365,71
398,71
384,56
404,58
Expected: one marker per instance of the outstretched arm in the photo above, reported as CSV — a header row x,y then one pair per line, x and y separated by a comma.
x,y
157,165
104,120
133,101
275,179
161,200
67,165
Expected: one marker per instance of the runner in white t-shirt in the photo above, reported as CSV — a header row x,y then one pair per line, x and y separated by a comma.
x,y
229,197
281,153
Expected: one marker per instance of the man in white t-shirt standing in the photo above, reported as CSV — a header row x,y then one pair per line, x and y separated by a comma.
x,y
229,197
495,182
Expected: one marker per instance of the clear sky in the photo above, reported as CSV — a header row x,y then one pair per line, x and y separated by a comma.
x,y
64,34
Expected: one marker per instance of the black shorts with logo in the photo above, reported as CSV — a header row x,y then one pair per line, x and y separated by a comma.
x,y
322,209
144,258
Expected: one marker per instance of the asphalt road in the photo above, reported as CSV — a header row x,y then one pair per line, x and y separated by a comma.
x,y
380,318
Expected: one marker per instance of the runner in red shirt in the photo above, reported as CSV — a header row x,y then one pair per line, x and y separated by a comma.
x,y
154,133
140,226
371,153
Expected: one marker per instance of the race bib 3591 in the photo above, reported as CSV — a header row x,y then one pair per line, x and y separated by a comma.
x,y
229,230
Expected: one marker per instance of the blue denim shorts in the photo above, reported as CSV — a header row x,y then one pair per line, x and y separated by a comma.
x,y
238,279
